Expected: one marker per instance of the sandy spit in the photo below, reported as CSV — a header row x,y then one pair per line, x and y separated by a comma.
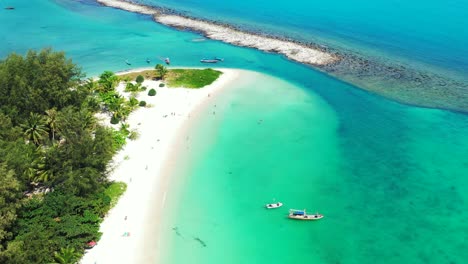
x,y
143,165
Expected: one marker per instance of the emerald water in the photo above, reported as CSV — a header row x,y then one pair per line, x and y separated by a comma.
x,y
389,178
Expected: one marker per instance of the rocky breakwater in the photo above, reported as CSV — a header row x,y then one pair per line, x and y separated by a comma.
x,y
294,51
403,83
299,52
130,6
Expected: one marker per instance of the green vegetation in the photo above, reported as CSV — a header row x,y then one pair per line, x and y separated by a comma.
x,y
139,79
161,71
133,135
66,255
192,78
130,87
132,103
152,92
188,78
162,85
142,103
114,191
54,154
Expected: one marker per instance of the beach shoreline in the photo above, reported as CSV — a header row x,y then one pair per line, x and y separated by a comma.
x,y
144,165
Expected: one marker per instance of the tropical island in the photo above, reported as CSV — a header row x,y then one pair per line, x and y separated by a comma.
x,y
66,157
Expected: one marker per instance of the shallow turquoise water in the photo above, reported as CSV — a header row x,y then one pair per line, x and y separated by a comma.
x,y
430,32
243,156
391,179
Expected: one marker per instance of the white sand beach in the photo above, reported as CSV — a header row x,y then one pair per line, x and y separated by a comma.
x,y
292,50
143,164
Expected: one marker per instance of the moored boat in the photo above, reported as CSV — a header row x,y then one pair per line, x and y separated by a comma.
x,y
302,215
209,61
273,205
127,62
167,61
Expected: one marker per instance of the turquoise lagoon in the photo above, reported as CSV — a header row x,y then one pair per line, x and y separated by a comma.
x,y
430,32
390,178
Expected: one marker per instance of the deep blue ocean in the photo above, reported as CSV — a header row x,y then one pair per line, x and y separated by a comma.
x,y
390,178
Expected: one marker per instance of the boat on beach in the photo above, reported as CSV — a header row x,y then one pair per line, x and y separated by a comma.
x,y
302,215
273,205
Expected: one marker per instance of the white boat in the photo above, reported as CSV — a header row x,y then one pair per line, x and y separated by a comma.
x,y
302,215
209,61
273,205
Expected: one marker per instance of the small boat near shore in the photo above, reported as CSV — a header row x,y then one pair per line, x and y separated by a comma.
x,y
209,61
9,8
167,61
214,60
148,60
273,205
302,215
127,62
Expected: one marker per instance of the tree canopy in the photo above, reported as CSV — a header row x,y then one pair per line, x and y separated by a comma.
x,y
53,157
37,82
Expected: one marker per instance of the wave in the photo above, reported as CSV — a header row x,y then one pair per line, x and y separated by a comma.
x,y
403,83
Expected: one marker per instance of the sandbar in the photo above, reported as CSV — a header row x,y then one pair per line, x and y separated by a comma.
x,y
143,164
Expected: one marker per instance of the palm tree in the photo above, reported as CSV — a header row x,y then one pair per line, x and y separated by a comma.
x,y
161,70
108,80
35,128
66,256
51,118
43,174
91,85
125,112
113,101
87,120
32,174
132,103
39,172
125,128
